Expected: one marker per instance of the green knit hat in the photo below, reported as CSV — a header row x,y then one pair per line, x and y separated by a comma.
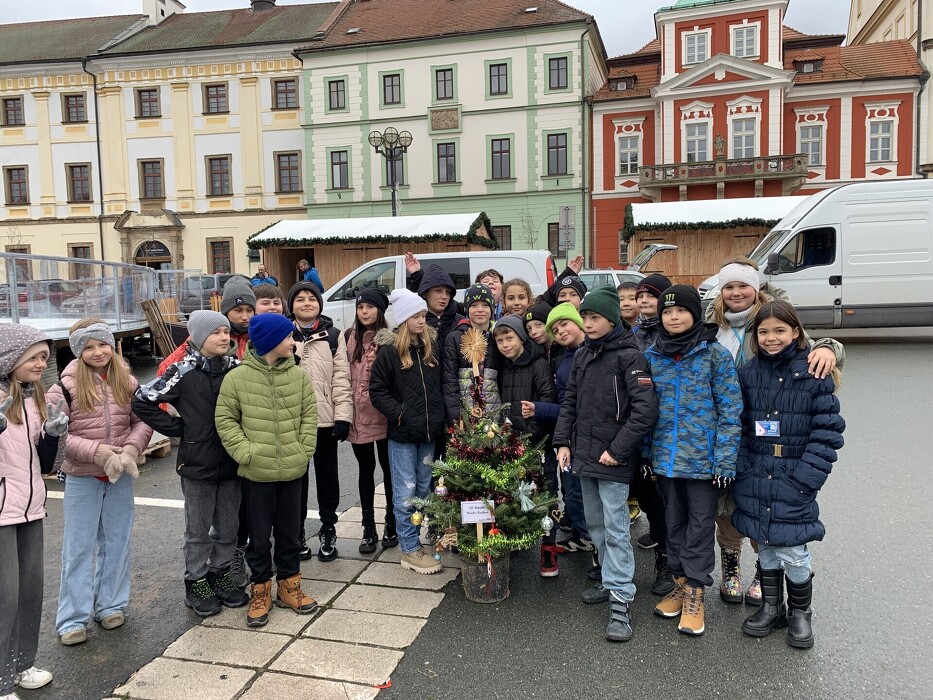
x,y
561,312
603,301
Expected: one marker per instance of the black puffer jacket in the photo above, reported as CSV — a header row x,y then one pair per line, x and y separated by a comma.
x,y
435,276
527,378
609,405
458,374
410,399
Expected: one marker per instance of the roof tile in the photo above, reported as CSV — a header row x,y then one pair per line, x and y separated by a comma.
x,y
60,40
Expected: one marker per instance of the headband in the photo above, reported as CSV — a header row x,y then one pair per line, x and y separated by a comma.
x,y
96,331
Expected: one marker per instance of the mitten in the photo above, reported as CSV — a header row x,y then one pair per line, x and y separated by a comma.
x,y
107,458
128,458
341,430
4,407
56,424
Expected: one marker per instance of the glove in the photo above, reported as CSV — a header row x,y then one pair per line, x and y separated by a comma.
x,y
722,482
4,407
56,424
341,430
128,458
107,458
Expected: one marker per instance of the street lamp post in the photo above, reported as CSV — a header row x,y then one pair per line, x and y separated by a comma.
x,y
391,145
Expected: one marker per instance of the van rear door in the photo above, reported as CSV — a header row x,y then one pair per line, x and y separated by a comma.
x,y
809,268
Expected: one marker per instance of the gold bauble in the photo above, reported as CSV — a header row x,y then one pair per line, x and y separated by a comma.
x,y
416,518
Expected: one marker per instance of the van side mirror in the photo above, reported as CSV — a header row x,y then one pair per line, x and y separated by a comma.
x,y
774,264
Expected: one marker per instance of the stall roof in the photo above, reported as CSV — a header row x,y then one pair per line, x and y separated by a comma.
x,y
375,229
711,211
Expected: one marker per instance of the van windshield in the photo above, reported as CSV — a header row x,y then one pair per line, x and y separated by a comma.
x,y
767,246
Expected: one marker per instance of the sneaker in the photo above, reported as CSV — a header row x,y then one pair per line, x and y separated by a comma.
x,y
226,590
672,604
370,537
420,562
199,596
645,542
595,595
619,628
328,548
633,510
32,678
14,696
112,621
575,543
692,616
238,567
564,522
595,573
73,637
549,567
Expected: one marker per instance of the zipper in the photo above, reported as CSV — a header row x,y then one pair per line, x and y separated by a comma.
x,y
103,390
424,387
31,450
670,466
275,423
615,388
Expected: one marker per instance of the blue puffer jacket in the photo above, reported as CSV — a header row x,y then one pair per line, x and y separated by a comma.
x,y
700,408
775,496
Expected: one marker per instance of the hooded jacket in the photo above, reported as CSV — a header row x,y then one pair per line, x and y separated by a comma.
x,y
322,354
527,378
241,339
435,276
458,374
369,425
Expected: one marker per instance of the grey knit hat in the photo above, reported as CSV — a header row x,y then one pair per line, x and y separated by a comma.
x,y
96,331
15,340
202,323
515,324
237,291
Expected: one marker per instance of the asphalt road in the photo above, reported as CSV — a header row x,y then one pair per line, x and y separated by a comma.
x,y
871,575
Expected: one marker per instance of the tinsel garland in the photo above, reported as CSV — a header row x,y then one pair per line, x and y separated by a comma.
x,y
629,228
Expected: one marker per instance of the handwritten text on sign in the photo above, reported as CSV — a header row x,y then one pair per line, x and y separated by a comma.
x,y
476,512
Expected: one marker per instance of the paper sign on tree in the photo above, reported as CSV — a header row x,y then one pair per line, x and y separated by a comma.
x,y
476,512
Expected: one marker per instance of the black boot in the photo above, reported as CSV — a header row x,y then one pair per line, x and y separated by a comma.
x,y
663,580
305,553
389,535
595,572
199,596
368,541
226,589
619,628
772,614
328,549
799,614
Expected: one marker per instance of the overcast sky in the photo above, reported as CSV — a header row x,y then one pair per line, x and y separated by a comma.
x,y
622,31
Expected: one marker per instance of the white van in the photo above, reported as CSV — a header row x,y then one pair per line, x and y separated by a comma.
x,y
534,266
854,256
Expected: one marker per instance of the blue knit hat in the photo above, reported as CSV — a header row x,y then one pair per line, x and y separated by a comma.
x,y
268,330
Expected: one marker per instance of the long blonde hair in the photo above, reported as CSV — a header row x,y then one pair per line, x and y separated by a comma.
x,y
117,372
404,340
15,412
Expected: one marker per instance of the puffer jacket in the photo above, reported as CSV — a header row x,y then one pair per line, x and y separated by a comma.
x,y
368,424
267,419
609,405
410,399
241,339
778,477
699,413
191,386
458,374
528,378
108,423
328,370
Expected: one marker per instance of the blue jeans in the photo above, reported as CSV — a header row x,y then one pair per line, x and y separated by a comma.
x,y
411,478
605,504
573,503
98,520
794,560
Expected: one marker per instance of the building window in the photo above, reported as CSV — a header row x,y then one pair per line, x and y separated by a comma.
x,y
288,172
17,186
220,259
285,93
336,94
811,144
628,155
13,114
399,164
147,103
392,89
339,170
151,185
553,241
696,47
218,175
501,159
446,162
79,182
557,73
745,41
84,251
503,236
557,154
743,138
880,136
215,99
697,142
73,108
23,266
444,83
499,79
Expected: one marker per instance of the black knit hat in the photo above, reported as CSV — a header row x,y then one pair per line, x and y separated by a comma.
x,y
305,287
653,284
571,281
478,293
537,312
371,295
682,295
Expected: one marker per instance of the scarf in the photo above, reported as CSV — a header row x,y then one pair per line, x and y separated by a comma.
x,y
680,344
304,334
732,337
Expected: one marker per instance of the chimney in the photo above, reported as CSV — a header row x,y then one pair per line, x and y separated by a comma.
x,y
261,5
160,10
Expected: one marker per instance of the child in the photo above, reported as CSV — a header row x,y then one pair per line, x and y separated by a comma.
x,y
525,378
536,324
321,351
368,430
628,305
105,439
791,430
437,288
647,295
609,406
570,289
31,432
267,419
693,446
269,300
492,280
516,297
406,388
208,474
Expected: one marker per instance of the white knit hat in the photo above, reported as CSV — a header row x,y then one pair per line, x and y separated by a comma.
x,y
737,272
406,304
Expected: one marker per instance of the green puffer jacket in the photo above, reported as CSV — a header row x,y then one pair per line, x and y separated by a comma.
x,y
267,418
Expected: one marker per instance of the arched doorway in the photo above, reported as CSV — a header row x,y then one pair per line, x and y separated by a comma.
x,y
154,254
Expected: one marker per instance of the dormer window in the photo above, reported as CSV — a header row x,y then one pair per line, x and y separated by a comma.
x,y
621,84
809,65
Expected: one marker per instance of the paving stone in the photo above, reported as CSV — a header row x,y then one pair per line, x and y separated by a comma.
x,y
394,556
227,646
281,621
350,548
349,530
380,500
170,679
355,515
322,591
388,601
338,661
272,685
380,489
340,569
388,574
365,628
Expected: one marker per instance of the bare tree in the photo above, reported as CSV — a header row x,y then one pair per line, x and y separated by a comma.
x,y
529,229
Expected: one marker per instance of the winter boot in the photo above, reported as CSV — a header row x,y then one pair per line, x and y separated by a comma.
x,y
730,590
692,616
260,604
368,541
772,614
420,562
328,549
595,595
663,581
595,572
549,567
753,593
238,567
226,589
305,553
288,594
199,596
389,535
619,628
799,614
673,603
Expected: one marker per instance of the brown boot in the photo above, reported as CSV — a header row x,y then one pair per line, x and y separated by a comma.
x,y
260,604
672,604
289,595
692,617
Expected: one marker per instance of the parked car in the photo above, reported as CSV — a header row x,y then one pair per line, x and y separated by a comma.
x,y
58,290
26,292
196,291
602,277
95,300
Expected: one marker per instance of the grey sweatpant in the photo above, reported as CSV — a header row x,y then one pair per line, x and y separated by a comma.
x,y
20,599
210,504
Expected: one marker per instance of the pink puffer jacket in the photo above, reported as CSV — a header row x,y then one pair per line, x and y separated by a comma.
x,y
109,423
368,424
22,491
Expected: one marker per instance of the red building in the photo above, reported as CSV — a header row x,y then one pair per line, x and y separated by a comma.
x,y
729,102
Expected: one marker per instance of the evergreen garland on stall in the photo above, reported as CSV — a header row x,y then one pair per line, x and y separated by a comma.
x,y
629,228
